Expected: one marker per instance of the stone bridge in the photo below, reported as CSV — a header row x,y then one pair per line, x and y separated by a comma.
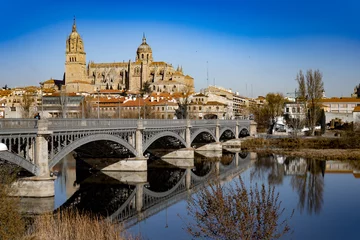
x,y
38,146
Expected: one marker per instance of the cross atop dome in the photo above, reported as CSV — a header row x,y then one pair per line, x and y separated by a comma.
x,y
144,38
74,25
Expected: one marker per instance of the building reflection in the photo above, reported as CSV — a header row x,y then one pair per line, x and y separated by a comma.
x,y
306,177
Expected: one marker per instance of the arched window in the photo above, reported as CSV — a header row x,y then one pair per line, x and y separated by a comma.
x,y
147,56
142,56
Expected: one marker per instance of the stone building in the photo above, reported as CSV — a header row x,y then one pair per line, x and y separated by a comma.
x,y
201,107
129,76
236,105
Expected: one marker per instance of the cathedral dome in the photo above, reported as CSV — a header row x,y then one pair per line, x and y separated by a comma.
x,y
144,47
74,34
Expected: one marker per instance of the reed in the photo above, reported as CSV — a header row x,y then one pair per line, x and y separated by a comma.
x,y
11,223
73,225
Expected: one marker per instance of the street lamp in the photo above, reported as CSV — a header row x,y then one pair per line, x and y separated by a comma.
x,y
139,105
98,107
119,107
83,108
166,114
42,100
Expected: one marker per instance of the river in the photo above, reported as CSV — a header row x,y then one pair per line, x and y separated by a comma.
x,y
323,194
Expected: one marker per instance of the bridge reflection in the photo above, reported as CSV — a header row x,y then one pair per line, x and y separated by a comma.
x,y
128,197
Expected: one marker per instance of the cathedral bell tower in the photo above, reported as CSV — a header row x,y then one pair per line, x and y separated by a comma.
x,y
75,63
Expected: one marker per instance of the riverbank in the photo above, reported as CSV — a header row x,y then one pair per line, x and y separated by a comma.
x,y
67,224
340,148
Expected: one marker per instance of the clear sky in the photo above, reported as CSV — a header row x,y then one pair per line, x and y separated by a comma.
x,y
251,46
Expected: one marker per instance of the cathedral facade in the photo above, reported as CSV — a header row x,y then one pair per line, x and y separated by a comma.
x,y
128,76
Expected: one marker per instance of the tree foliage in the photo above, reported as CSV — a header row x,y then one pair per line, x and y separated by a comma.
x,y
146,88
237,212
265,114
310,92
275,104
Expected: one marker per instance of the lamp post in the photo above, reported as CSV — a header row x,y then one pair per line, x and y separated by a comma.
x,y
166,114
119,107
42,100
83,108
98,107
139,105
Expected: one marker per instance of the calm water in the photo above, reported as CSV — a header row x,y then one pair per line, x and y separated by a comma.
x,y
324,194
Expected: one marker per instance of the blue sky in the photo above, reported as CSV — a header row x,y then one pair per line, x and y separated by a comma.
x,y
253,47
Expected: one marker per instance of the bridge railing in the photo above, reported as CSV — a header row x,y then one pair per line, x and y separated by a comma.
x,y
17,123
90,123
203,122
63,124
163,122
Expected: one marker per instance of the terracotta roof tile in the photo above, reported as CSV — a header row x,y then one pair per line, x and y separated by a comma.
x,y
342,99
356,109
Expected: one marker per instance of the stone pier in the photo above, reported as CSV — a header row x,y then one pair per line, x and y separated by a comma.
x,y
135,164
41,185
216,146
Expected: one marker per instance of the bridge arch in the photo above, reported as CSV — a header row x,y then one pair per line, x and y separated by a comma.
x,y
91,138
201,130
226,129
160,135
19,161
244,129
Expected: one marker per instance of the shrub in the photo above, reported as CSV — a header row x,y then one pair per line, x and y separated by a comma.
x,y
235,212
11,223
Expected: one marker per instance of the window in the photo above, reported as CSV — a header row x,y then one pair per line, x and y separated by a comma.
x,y
200,108
287,110
194,108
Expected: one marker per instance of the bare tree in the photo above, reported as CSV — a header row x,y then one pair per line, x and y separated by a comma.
x,y
183,102
237,212
310,93
26,103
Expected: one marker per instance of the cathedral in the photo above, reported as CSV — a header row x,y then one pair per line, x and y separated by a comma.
x,y
128,76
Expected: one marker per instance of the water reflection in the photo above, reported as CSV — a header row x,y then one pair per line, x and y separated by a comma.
x,y
126,195
131,197
65,183
307,178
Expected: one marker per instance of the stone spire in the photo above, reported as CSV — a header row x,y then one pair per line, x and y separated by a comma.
x,y
74,25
